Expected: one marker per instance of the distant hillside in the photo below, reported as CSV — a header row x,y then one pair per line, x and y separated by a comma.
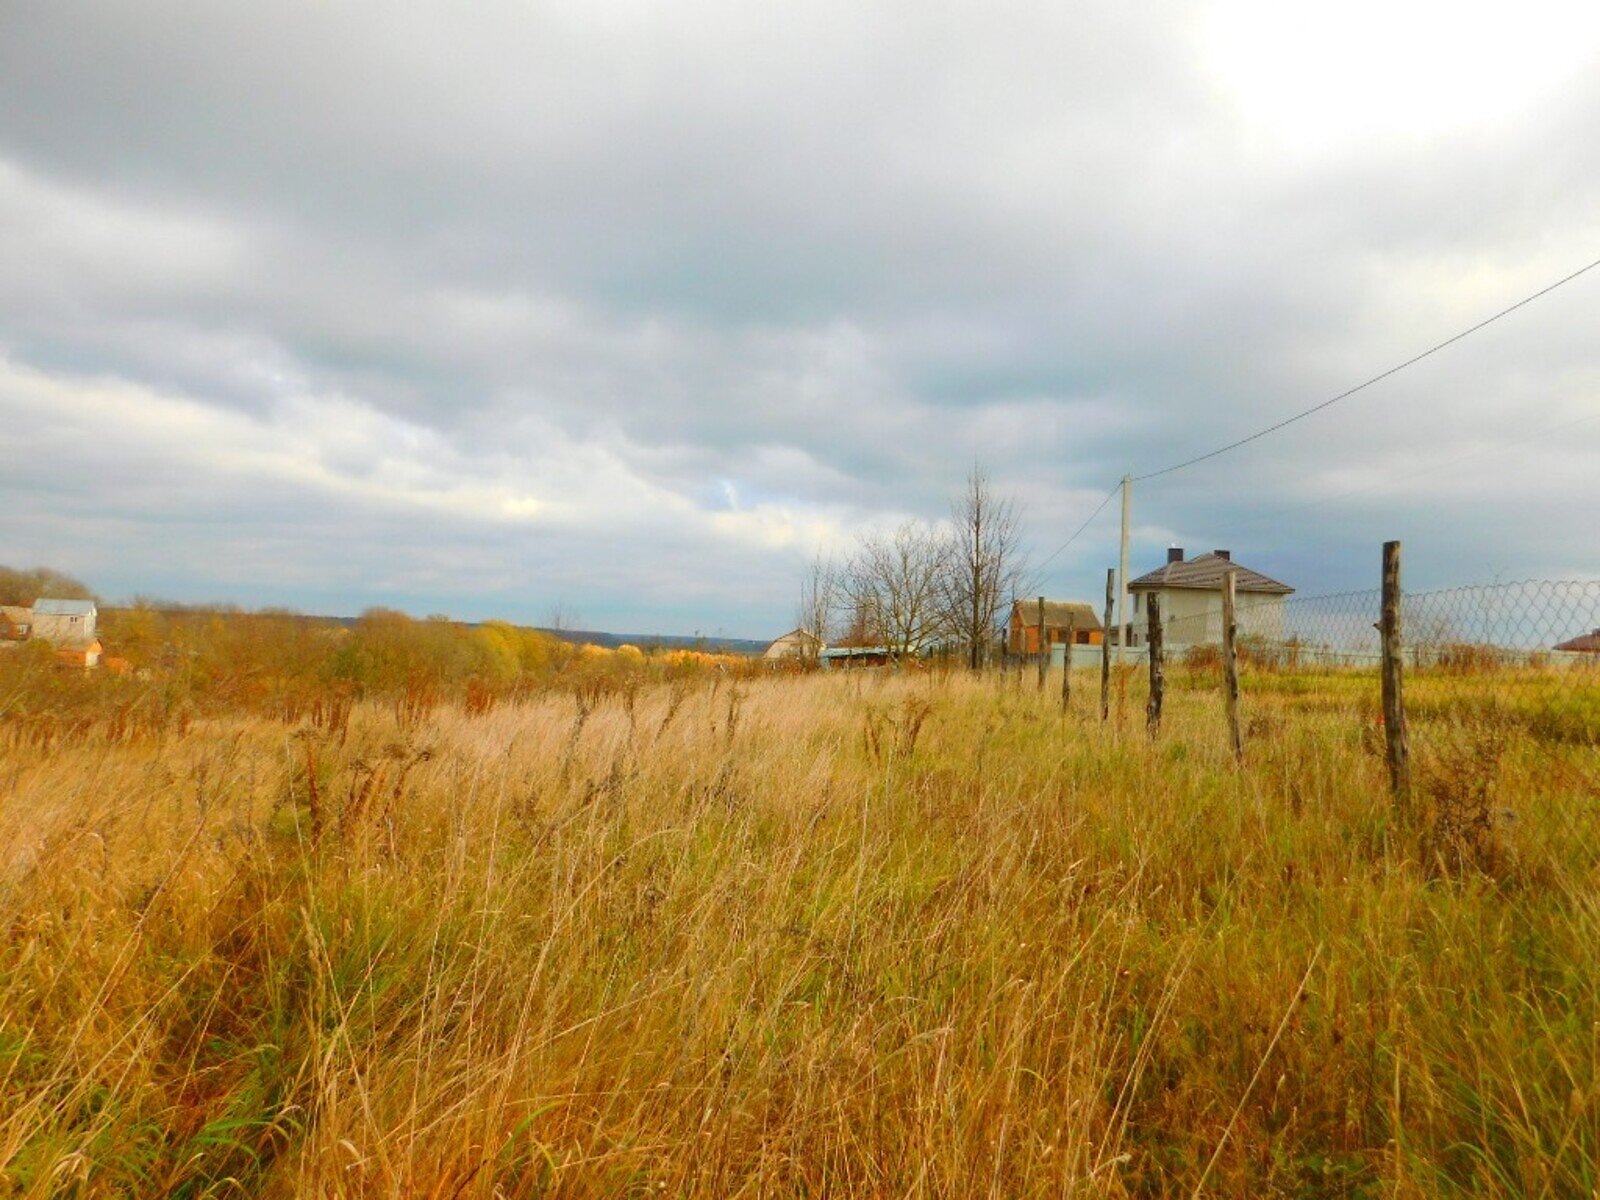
x,y
593,637
645,641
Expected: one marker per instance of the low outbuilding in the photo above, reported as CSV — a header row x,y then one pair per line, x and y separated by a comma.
x,y
80,654
855,656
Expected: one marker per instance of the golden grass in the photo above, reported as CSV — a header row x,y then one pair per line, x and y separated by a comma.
x,y
818,936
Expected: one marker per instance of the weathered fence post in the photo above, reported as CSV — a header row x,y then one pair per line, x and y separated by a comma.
x,y
1152,710
1230,662
1105,648
1066,668
1397,745
1044,646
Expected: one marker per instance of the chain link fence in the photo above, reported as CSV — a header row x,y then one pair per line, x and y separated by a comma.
x,y
1524,655
1336,630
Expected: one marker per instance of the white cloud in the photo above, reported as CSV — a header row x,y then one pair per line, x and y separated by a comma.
x,y
57,242
1319,78
634,307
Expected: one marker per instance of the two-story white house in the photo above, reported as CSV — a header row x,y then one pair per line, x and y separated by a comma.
x,y
1191,600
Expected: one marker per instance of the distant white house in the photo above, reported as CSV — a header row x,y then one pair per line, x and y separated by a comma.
x,y
1191,600
67,625
797,643
64,621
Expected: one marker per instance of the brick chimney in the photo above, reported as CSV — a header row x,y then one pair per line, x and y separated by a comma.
x,y
1226,555
1174,554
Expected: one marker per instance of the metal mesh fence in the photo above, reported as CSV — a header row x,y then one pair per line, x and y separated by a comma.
x,y
1274,631
1505,657
1524,653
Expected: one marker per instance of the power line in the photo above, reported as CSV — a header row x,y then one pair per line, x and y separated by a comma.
x,y
1470,456
1316,408
1098,510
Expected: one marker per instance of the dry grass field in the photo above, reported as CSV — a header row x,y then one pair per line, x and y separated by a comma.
x,y
870,935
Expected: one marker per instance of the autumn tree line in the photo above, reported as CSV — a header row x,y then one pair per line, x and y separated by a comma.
x,y
228,659
22,588
924,586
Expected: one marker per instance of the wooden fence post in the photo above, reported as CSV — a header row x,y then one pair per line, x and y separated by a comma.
x,y
1066,668
1397,745
1044,646
1152,711
1230,662
1105,647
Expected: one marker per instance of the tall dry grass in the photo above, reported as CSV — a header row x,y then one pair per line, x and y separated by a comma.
x,y
821,936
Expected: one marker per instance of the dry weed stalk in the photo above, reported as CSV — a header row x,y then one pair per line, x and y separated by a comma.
x,y
677,693
585,698
416,703
736,698
1459,783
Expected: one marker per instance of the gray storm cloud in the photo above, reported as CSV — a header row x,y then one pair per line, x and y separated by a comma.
x,y
630,307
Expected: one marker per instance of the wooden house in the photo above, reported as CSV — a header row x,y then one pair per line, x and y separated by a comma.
x,y
1061,619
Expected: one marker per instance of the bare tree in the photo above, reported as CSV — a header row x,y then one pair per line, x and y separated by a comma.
x,y
895,586
989,568
858,618
562,619
817,612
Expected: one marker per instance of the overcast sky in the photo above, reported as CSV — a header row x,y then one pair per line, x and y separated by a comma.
x,y
627,308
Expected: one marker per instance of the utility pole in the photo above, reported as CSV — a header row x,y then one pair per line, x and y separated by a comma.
x,y
1122,573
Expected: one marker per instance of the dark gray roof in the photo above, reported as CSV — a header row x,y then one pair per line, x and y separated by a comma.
x,y
1205,571
63,608
1057,613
